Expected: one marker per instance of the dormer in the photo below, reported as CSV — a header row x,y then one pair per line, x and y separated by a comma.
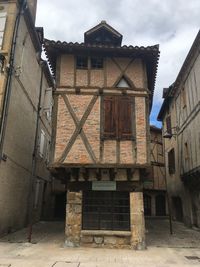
x,y
103,34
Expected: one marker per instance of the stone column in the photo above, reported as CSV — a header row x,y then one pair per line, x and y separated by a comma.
x,y
73,219
137,221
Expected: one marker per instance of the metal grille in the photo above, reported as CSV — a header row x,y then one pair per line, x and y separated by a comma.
x,y
106,210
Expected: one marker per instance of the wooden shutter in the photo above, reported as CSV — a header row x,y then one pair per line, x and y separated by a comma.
x,y
124,118
109,117
168,125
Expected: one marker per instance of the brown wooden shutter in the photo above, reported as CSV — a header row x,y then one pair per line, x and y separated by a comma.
x,y
124,118
168,125
109,117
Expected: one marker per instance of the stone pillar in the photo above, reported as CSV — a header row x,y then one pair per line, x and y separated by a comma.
x,y
137,221
73,219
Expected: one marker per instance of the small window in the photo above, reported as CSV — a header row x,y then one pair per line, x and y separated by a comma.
x,y
183,96
81,62
168,125
171,161
97,63
42,144
186,151
123,83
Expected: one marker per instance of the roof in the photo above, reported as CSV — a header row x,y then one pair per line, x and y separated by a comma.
x,y
169,92
107,34
149,54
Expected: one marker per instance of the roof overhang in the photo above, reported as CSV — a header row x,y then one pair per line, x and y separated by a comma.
x,y
149,54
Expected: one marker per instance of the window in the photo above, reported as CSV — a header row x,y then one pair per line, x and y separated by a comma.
x,y
42,144
3,16
123,83
186,151
183,96
171,161
168,124
106,210
81,62
117,117
96,63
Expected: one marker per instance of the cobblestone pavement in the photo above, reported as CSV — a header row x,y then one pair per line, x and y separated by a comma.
x,y
182,249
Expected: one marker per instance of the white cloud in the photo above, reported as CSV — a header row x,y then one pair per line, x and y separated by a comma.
x,y
172,24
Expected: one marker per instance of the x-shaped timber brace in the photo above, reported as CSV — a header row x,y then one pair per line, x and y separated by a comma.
x,y
79,129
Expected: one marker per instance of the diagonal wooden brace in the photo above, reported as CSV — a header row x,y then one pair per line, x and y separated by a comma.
x,y
79,129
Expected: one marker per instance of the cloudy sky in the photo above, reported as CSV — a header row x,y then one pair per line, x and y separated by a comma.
x,y
173,24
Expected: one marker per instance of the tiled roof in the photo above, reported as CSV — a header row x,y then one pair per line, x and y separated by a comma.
x,y
150,54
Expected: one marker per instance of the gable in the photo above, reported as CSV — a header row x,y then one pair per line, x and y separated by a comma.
x,y
103,34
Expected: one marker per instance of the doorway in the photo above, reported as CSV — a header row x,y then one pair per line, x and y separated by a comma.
x,y
60,206
178,208
160,205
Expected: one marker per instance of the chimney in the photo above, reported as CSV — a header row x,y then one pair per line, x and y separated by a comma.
x,y
32,4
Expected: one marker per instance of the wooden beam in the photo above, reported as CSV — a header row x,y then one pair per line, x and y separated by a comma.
x,y
82,134
78,129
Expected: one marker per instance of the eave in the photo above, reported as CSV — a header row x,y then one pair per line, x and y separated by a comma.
x,y
173,89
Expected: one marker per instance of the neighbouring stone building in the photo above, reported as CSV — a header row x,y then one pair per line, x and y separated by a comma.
x,y
155,200
101,137
25,118
180,114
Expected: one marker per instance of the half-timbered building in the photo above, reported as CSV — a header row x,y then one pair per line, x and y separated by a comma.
x,y
101,135
155,200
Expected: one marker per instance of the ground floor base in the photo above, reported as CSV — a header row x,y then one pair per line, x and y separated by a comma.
x,y
105,219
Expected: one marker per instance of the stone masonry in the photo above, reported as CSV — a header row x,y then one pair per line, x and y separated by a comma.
x,y
135,238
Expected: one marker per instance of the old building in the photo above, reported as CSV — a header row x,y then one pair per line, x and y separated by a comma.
x,y
155,201
25,118
101,135
180,114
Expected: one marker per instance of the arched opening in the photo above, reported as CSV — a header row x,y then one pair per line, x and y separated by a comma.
x,y
160,205
147,205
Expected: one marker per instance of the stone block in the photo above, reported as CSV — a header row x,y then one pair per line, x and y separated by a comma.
x,y
87,239
77,209
98,239
110,240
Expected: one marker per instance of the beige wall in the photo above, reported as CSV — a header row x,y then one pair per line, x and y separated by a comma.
x,y
15,171
185,114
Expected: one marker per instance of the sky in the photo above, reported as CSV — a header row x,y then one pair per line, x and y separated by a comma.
x,y
173,24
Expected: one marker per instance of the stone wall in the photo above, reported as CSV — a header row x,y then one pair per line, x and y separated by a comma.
x,y
137,220
73,219
75,236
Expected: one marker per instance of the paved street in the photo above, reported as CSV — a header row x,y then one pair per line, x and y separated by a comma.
x,y
47,250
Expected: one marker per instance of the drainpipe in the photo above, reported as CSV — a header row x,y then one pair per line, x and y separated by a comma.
x,y
34,158
8,88
167,194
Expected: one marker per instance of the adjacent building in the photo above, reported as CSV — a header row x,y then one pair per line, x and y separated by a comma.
x,y
155,200
180,114
25,118
101,137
